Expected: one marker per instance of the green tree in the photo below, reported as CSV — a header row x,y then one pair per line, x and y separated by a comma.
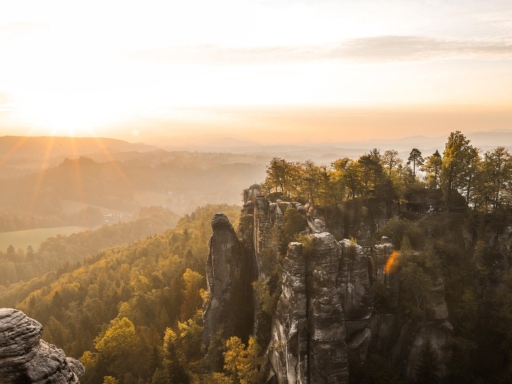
x,y
352,178
427,364
471,164
432,167
159,377
371,172
339,168
390,160
455,151
497,176
277,174
242,363
172,365
192,299
312,180
293,223
416,159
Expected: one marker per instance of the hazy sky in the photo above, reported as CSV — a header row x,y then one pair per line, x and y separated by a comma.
x,y
298,70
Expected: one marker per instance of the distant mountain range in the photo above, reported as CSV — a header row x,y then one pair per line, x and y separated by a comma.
x,y
49,147
328,151
52,150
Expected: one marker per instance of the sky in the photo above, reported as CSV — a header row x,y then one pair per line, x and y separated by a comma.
x,y
265,71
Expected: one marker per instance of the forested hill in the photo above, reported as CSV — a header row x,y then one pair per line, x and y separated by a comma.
x,y
61,252
44,148
456,179
372,270
120,307
178,181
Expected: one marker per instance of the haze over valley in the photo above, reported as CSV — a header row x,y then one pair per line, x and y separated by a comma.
x,y
256,192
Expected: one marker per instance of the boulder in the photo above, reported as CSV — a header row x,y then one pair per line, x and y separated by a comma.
x,y
25,358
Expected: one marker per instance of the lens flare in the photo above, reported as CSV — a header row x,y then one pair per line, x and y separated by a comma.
x,y
392,262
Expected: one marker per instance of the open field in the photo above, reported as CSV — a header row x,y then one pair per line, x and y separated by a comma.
x,y
69,207
34,237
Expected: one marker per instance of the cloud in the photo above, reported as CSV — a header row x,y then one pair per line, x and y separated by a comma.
x,y
412,48
20,28
368,49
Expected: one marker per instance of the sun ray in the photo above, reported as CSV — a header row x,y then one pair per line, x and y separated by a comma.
x,y
41,174
78,171
113,161
13,150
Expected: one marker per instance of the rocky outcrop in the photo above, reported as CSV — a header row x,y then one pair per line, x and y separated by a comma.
x,y
288,349
397,337
338,301
355,292
308,331
327,351
229,274
25,358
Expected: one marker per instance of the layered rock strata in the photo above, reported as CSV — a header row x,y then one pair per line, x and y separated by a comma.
x,y
25,358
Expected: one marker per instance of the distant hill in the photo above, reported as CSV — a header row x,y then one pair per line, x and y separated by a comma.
x,y
180,181
326,152
47,147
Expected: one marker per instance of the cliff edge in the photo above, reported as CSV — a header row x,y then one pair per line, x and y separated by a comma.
x,y
25,358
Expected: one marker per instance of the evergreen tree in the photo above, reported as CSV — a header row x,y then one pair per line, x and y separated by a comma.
x,y
416,159
427,365
172,364
390,160
432,167
453,168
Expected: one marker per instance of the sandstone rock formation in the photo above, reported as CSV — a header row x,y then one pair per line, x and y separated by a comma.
x,y
355,292
229,276
397,337
289,345
25,358
328,315
308,330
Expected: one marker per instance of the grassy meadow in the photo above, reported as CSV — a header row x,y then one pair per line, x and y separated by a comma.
x,y
34,237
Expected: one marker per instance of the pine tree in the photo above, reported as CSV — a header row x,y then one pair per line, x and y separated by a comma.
x,y
416,159
172,364
427,365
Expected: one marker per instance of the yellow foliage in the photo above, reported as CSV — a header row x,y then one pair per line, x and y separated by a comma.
x,y
124,311
192,300
169,336
242,363
118,339
191,278
89,360
218,378
205,295
110,380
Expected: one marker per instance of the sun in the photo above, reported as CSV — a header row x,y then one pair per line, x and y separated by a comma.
x,y
63,113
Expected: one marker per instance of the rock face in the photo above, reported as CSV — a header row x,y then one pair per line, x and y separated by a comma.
x,y
25,358
338,301
355,292
398,338
327,350
229,275
289,345
308,331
